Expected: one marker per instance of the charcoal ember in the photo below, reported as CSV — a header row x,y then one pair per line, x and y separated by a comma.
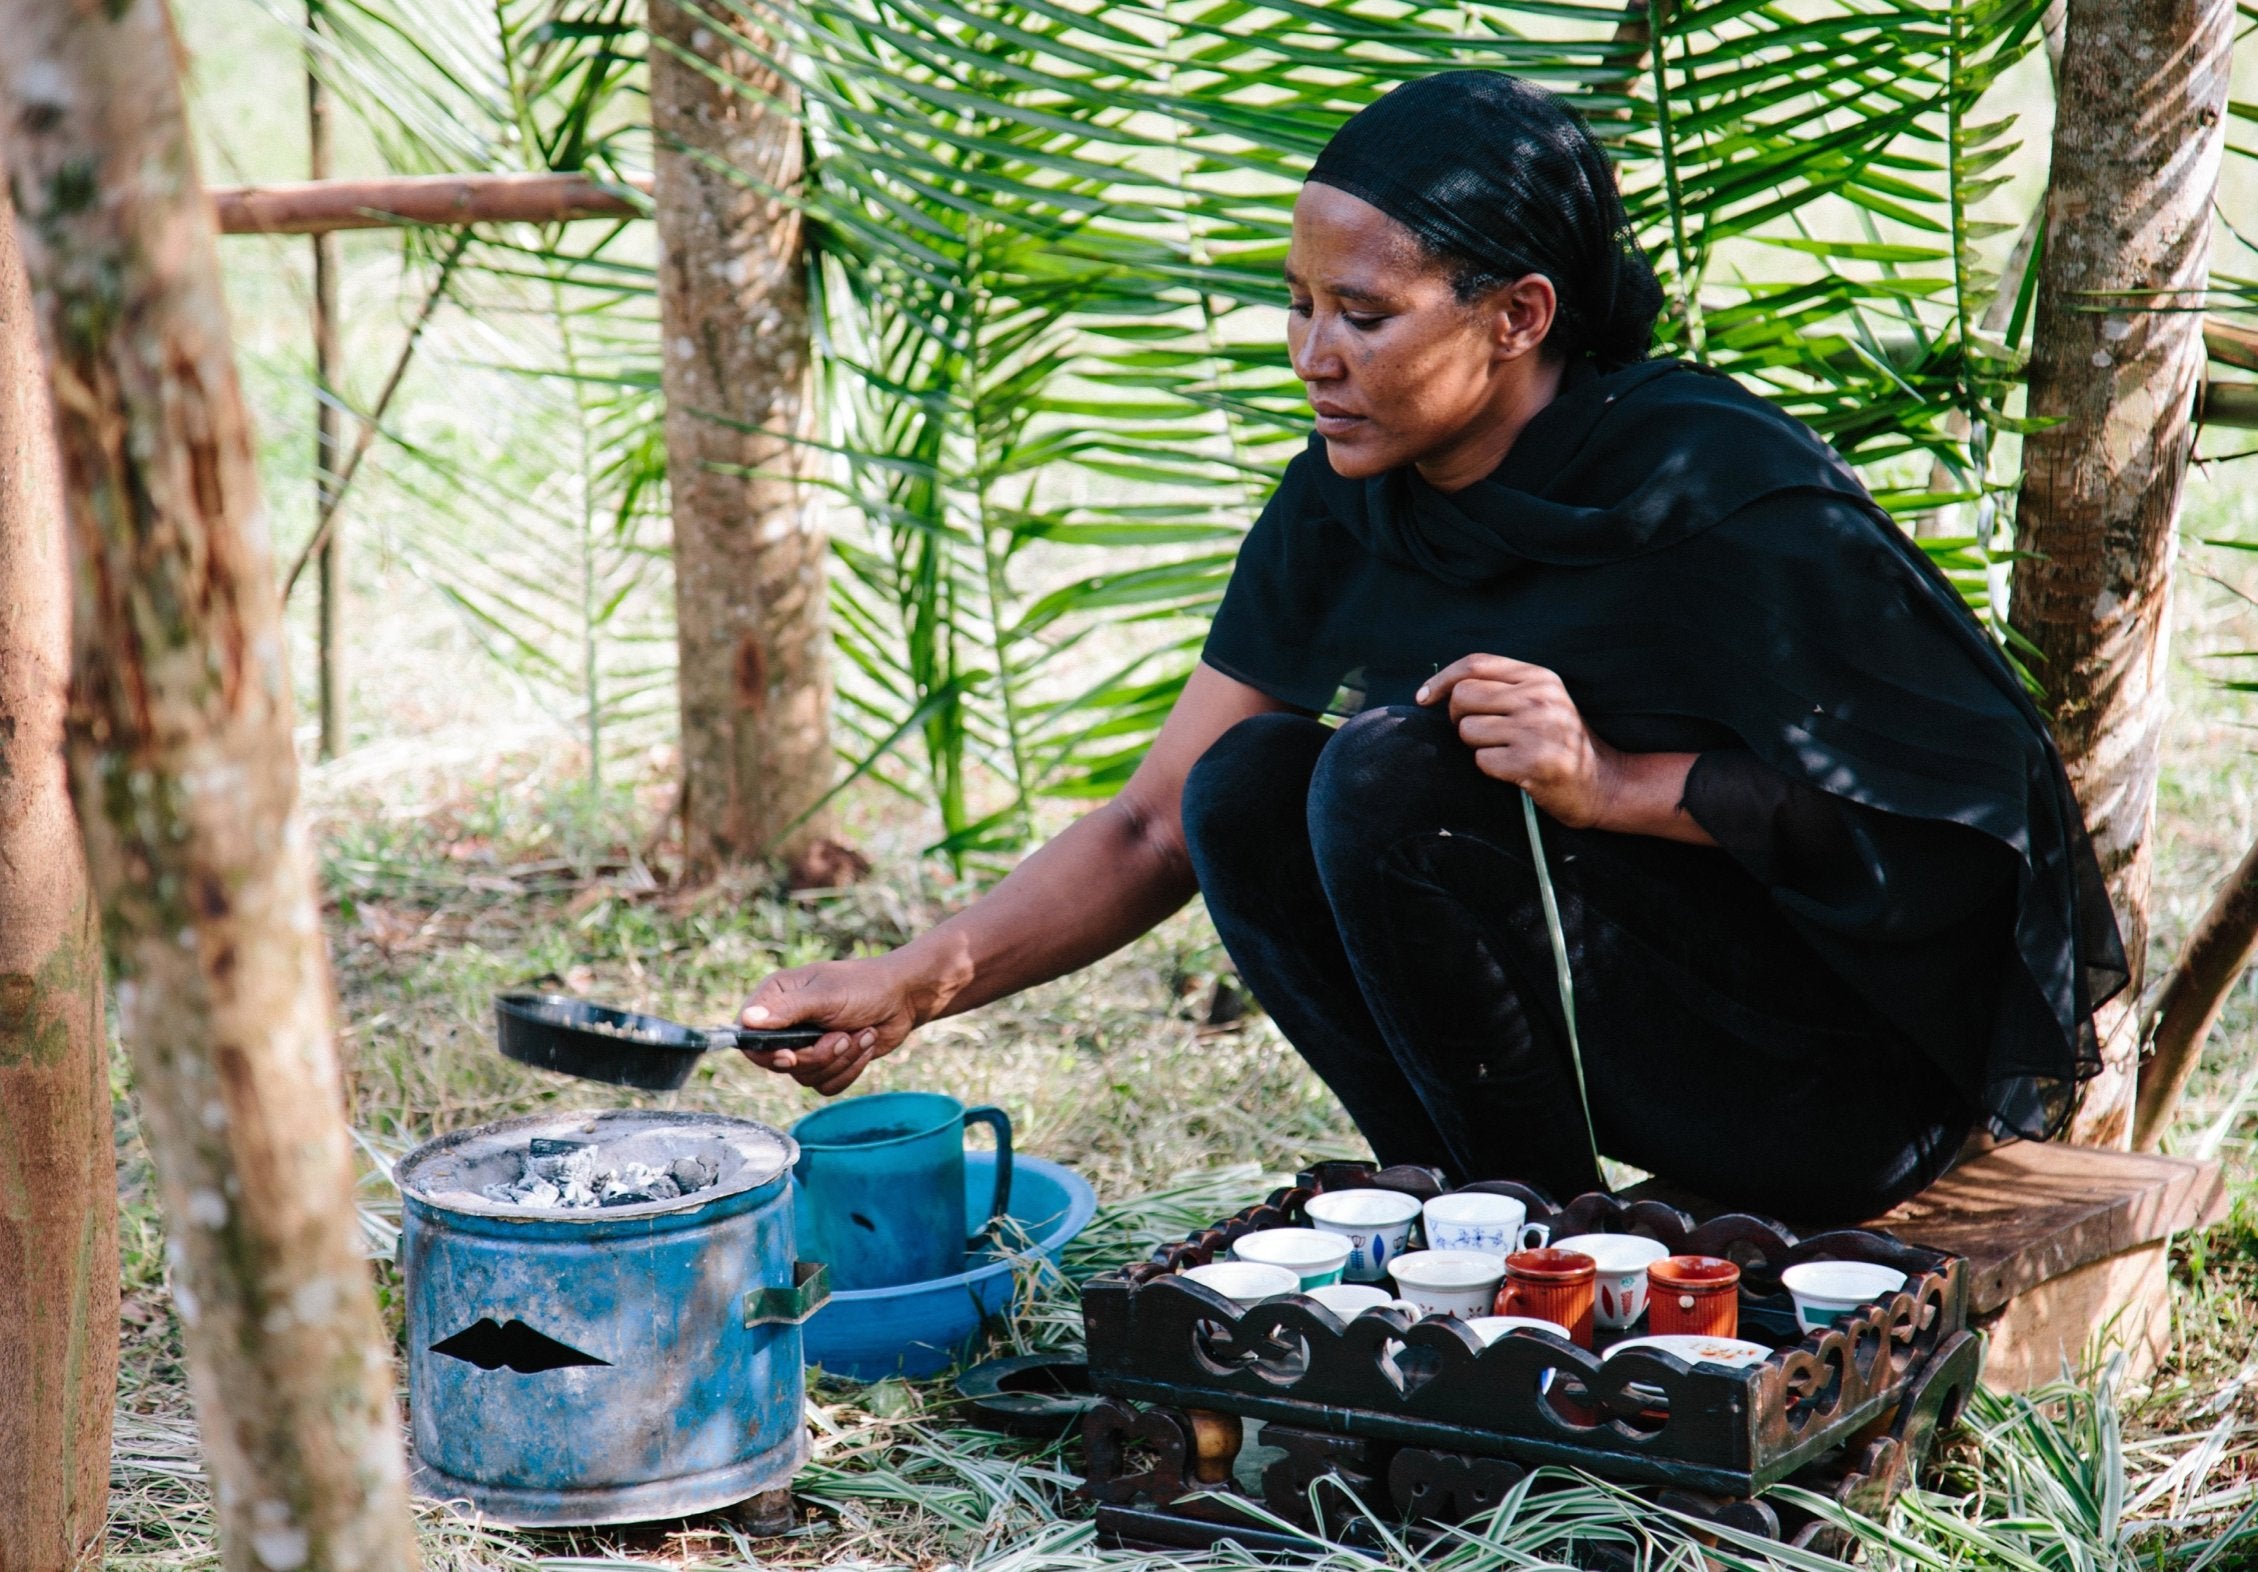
x,y
692,1174
635,1183
576,1174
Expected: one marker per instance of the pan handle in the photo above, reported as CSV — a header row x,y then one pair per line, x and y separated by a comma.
x,y
767,1041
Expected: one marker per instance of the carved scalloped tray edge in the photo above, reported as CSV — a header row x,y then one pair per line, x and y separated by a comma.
x,y
1158,1337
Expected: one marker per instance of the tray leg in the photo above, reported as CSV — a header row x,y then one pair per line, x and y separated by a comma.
x,y
1890,1460
1289,1483
1175,1460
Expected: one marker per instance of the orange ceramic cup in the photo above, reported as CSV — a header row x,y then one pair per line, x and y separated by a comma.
x,y
1696,1294
1552,1285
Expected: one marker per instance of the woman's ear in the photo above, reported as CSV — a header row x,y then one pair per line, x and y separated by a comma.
x,y
1522,312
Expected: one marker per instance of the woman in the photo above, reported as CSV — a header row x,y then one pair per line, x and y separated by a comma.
x,y
1825,892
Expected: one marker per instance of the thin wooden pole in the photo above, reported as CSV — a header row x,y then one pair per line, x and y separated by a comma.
x,y
314,207
371,423
184,769
2217,953
330,611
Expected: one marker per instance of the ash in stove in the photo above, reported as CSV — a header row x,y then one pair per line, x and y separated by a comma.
x,y
577,1174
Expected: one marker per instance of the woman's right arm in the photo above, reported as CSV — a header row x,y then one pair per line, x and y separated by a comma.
x,y
1105,879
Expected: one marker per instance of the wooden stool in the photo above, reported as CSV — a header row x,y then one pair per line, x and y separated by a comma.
x,y
2068,1247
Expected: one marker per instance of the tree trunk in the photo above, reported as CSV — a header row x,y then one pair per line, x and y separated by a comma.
x,y
2117,353
749,554
2217,954
58,1166
182,763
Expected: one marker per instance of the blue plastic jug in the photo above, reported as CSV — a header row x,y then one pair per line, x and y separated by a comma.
x,y
878,1192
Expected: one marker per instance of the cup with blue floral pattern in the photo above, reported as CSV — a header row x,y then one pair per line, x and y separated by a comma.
x,y
1477,1220
1377,1224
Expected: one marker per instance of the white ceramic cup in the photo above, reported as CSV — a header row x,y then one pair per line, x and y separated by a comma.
x,y
1311,1254
1732,1352
1826,1291
1619,1289
1489,1328
1449,1282
1245,1282
1350,1300
1375,1222
1477,1220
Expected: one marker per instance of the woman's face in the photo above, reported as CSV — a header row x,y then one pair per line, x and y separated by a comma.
x,y
1398,369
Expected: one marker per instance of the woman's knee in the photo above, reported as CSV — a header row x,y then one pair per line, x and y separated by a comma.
x,y
1387,773
1252,780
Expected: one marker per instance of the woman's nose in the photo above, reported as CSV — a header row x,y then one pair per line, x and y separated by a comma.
x,y
1312,354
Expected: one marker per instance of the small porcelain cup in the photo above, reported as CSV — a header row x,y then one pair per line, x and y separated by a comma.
x,y
1826,1291
1477,1220
1731,1352
1619,1290
1244,1282
1350,1300
1376,1223
1311,1254
1489,1328
1449,1282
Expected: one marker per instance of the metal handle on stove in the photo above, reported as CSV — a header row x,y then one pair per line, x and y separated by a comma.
x,y
810,1291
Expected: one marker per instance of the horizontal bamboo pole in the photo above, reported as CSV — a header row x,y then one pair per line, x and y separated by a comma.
x,y
317,207
2232,406
2230,344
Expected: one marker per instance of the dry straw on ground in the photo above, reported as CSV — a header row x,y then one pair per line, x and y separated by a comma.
x,y
1117,1072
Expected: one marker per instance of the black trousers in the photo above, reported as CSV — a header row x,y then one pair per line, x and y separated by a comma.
x,y
1376,893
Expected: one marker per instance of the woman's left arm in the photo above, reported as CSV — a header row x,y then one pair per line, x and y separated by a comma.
x,y
1526,730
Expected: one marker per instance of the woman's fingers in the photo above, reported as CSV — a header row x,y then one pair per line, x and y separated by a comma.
x,y
1479,668
1498,731
784,999
815,1056
829,1064
1499,764
1476,696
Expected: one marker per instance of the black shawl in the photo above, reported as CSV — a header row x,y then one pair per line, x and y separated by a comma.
x,y
1620,545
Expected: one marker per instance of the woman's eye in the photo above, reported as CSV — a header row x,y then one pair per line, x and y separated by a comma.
x,y
1299,308
1363,324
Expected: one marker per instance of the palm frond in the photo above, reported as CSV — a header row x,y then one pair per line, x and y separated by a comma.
x,y
1046,237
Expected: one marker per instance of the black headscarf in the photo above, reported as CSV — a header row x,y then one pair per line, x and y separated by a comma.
x,y
1702,570
1489,170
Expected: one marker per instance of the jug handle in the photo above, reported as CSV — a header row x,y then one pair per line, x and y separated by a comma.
x,y
1000,1122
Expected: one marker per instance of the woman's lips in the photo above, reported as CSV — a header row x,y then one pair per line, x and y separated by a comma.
x,y
1337,424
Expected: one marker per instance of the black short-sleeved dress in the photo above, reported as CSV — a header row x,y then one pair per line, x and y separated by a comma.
x,y
1902,895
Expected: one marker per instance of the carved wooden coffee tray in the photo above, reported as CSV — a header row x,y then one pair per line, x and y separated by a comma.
x,y
1428,1419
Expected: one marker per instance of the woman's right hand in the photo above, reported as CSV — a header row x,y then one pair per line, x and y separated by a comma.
x,y
870,1004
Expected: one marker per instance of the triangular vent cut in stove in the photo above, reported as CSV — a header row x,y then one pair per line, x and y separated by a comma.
x,y
514,1344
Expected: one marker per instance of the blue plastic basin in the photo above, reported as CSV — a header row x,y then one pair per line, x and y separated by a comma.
x,y
921,1329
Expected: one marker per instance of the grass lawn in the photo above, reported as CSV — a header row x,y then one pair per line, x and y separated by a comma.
x,y
445,887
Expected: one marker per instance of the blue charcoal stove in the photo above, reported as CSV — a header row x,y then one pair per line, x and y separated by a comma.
x,y
615,1364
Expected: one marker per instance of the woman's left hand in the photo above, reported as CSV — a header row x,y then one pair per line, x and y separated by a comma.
x,y
1526,730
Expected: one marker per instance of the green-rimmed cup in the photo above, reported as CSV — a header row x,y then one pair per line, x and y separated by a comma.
x,y
1317,1258
1827,1291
